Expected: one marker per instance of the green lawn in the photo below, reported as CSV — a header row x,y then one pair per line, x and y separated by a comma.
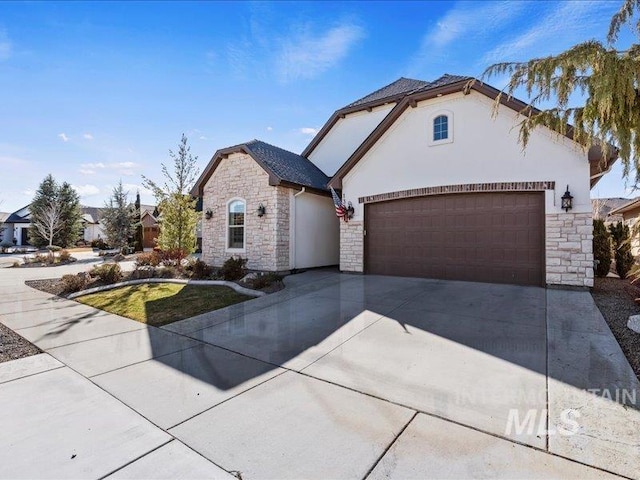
x,y
162,303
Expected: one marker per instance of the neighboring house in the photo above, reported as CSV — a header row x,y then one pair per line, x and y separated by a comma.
x,y
630,212
603,209
16,227
268,205
150,228
4,232
440,190
92,228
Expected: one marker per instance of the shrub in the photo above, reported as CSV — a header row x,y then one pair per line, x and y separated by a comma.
x,y
622,248
234,268
73,283
38,258
601,249
6,244
172,257
199,270
167,272
144,272
107,273
99,244
54,248
151,259
64,256
265,280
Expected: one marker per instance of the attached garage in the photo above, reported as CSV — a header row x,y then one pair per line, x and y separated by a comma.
x,y
481,237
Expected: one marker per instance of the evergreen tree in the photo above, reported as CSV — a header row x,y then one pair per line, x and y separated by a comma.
x,y
601,248
178,216
72,216
622,248
609,76
119,218
139,241
55,214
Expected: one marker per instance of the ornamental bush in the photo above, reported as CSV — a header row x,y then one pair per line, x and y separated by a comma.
x,y
601,249
234,268
107,273
622,248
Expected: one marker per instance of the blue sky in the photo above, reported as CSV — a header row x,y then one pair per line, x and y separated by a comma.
x,y
96,92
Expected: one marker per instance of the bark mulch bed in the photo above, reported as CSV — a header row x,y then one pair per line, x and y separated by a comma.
x,y
615,299
13,346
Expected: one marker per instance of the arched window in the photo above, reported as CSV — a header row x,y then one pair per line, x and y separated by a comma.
x,y
235,226
440,128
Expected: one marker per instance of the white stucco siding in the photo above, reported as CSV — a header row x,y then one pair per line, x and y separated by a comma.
x,y
483,150
345,136
316,232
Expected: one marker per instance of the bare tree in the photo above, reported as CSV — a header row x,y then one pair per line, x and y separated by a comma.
x,y
48,220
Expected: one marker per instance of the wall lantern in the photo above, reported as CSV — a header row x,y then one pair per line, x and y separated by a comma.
x,y
261,210
567,200
350,210
208,214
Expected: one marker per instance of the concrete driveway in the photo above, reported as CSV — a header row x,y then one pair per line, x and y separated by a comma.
x,y
337,376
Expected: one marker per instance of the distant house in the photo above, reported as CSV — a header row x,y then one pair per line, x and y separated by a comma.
x,y
150,227
630,213
16,227
603,209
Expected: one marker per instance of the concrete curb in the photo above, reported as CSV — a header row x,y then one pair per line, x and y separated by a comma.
x,y
220,283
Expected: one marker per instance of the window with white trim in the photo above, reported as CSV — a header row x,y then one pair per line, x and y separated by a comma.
x,y
440,128
235,226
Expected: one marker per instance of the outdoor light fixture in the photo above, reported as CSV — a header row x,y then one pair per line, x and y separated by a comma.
x,y
566,200
350,210
208,214
261,210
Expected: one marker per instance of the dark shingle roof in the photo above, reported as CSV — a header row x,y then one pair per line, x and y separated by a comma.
x,y
401,86
406,86
15,218
288,166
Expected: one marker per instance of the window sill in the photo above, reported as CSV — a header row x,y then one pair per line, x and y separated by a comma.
x,y
434,143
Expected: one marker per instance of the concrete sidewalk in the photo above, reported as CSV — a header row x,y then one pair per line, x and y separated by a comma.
x,y
334,377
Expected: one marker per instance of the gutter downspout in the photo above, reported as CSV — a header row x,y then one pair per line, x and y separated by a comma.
x,y
292,247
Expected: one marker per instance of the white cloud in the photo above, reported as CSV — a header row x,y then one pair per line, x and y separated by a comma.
x,y
308,131
87,136
87,190
269,129
92,166
471,19
132,188
86,171
63,137
305,55
553,32
202,137
6,47
28,192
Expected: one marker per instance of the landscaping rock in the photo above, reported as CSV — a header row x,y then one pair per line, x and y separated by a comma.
x,y
634,323
248,277
119,258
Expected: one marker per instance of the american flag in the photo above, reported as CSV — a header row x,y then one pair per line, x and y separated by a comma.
x,y
341,210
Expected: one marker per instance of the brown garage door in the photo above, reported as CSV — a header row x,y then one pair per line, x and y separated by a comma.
x,y
481,237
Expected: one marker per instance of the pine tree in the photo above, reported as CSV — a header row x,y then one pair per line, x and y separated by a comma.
x,y
622,248
601,248
139,241
72,216
119,218
55,214
178,216
607,74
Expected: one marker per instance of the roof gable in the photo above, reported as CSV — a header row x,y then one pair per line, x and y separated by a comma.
x,y
284,167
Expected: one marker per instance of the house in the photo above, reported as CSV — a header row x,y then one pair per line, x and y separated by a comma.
x,y
440,189
150,227
630,213
603,209
267,205
16,227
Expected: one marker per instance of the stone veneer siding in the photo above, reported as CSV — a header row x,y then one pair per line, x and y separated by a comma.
x,y
267,237
351,246
569,247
